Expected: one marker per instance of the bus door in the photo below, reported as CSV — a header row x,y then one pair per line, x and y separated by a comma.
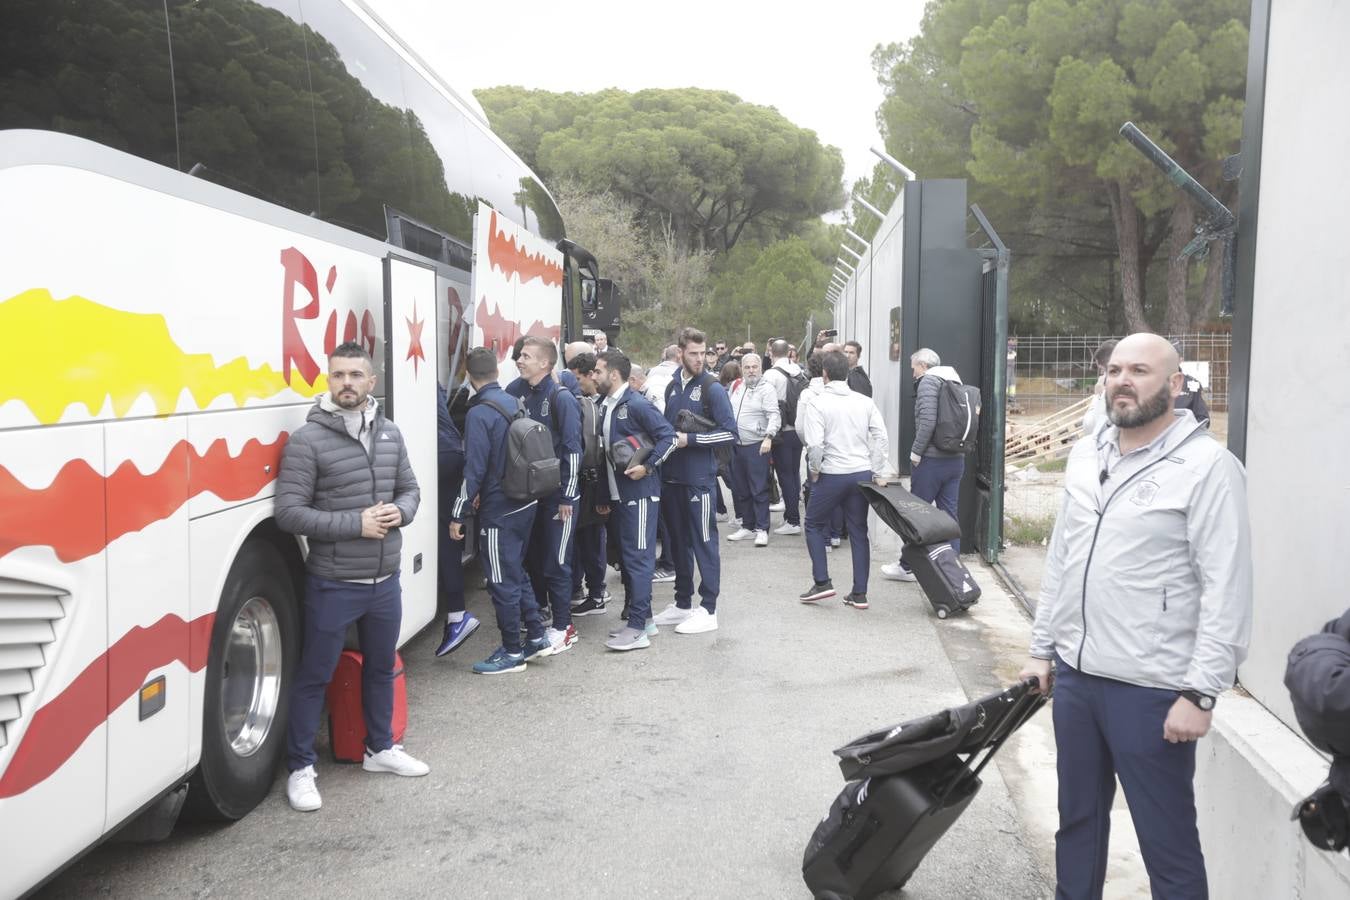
x,y
410,400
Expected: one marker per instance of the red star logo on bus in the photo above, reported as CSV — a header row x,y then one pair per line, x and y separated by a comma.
x,y
415,339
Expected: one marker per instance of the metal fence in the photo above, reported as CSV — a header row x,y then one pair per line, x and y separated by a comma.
x,y
1053,372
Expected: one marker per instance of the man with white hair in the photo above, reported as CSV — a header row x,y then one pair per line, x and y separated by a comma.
x,y
936,474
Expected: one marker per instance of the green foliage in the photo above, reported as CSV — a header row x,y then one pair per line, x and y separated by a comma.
x,y
705,165
766,291
1026,97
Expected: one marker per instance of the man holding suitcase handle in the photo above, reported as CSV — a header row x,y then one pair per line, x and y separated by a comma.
x,y
1145,612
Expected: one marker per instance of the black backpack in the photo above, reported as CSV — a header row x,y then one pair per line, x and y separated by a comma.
x,y
532,471
592,454
795,385
958,417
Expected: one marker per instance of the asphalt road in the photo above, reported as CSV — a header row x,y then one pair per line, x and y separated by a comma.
x,y
696,768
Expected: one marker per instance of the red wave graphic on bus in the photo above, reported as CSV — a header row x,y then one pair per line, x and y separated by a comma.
x,y
68,514
500,333
504,254
59,728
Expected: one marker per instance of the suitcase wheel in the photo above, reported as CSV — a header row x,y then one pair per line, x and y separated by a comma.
x,y
943,612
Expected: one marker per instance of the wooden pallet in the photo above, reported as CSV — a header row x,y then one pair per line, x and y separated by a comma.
x,y
1049,438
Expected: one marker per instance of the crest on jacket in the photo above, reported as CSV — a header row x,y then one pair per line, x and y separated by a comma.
x,y
696,394
1143,494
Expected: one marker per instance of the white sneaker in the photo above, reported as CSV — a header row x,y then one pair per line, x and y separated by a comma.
x,y
561,640
302,791
672,615
896,572
788,528
722,518
777,507
761,539
394,760
699,622
741,534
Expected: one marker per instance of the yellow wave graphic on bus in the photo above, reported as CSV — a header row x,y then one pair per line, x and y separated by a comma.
x,y
78,351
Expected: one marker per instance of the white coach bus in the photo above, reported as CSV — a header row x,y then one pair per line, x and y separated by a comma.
x,y
198,199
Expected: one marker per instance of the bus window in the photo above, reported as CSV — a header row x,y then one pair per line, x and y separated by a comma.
x,y
361,119
442,186
95,70
244,114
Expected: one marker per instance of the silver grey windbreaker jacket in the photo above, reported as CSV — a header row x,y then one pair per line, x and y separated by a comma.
x,y
1148,579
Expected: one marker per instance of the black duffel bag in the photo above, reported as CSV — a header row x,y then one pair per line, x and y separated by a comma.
x,y
916,521
692,423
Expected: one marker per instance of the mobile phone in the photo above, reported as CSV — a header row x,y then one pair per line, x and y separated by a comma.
x,y
830,332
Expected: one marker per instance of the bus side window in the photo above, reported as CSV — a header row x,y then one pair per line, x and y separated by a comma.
x,y
245,120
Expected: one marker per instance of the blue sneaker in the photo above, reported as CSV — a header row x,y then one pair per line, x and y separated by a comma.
x,y
538,648
457,633
500,662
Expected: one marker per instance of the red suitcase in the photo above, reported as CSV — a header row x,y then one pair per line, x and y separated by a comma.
x,y
346,722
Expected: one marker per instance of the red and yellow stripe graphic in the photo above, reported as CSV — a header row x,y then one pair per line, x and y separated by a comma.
x,y
81,511
63,724
505,255
76,351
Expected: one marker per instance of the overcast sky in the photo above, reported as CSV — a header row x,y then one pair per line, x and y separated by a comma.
x,y
816,71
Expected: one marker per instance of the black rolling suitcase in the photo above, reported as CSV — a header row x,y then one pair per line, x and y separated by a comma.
x,y
945,580
925,531
908,784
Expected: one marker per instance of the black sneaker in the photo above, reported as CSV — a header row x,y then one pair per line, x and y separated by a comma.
x,y
591,606
821,590
857,601
661,576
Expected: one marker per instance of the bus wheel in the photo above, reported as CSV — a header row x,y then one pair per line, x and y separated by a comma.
x,y
254,652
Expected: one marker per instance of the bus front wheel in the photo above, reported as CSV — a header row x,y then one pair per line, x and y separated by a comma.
x,y
254,651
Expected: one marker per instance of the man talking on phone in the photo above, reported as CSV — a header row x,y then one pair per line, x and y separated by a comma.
x,y
346,484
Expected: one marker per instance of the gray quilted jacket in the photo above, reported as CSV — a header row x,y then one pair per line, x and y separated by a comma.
x,y
327,478
925,411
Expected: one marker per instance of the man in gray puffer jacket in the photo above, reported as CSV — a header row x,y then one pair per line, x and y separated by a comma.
x,y
346,484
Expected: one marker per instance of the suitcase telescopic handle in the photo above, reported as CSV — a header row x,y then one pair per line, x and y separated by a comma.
x,y
1023,708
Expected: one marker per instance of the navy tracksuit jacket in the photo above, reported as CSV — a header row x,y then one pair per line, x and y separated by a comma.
x,y
689,487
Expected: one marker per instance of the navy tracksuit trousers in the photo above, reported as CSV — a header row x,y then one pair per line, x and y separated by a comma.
x,y
330,608
548,559
588,559
831,493
693,537
502,546
938,479
750,481
635,521
1103,729
787,463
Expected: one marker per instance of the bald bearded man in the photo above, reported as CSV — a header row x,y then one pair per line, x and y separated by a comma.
x,y
1144,615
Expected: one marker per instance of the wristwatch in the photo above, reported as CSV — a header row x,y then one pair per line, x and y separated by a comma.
x,y
1203,701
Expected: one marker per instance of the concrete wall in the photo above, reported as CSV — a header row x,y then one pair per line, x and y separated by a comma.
x,y
1298,427
1250,771
863,314
1254,765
